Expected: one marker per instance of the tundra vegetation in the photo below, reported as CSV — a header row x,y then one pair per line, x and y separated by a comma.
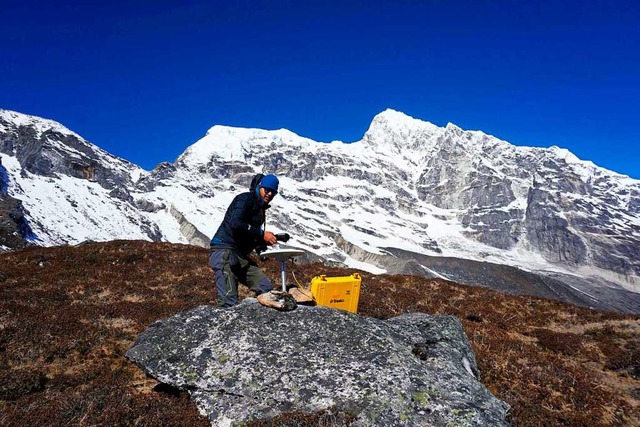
x,y
68,314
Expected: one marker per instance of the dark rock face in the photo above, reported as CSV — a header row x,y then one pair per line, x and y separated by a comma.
x,y
253,362
14,228
550,232
498,228
48,152
158,175
4,178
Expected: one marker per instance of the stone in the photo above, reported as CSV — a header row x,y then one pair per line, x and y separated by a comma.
x,y
278,300
250,362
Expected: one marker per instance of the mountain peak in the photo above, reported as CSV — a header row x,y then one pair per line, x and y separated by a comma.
x,y
395,119
38,123
234,143
391,114
393,131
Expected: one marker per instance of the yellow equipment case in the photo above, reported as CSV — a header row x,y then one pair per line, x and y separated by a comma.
x,y
337,292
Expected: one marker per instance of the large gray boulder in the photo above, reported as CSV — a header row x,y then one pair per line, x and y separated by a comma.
x,y
253,362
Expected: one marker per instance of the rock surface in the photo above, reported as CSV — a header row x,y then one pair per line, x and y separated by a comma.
x,y
14,228
253,362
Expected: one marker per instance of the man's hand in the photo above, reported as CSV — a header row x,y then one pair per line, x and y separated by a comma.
x,y
269,238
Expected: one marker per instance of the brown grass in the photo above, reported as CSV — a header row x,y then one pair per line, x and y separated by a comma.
x,y
68,314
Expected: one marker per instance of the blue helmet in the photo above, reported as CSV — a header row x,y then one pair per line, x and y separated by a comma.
x,y
269,181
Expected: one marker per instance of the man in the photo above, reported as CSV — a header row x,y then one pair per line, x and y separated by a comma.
x,y
241,232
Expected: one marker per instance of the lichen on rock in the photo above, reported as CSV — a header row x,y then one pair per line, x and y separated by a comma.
x,y
253,362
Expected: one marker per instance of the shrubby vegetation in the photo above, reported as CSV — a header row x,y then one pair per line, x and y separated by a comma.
x,y
68,314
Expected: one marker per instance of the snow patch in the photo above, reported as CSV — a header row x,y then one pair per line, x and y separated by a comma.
x,y
359,265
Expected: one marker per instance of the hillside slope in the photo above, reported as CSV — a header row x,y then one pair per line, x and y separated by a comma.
x,y
68,314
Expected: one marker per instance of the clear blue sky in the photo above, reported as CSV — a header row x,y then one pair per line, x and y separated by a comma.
x,y
146,79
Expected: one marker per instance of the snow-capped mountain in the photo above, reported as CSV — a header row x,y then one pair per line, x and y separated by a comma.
x,y
410,197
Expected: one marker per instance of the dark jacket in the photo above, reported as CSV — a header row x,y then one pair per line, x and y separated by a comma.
x,y
242,227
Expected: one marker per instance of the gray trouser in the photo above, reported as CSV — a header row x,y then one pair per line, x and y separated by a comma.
x,y
229,268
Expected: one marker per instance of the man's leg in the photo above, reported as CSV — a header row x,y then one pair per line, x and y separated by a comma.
x,y
225,278
256,279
